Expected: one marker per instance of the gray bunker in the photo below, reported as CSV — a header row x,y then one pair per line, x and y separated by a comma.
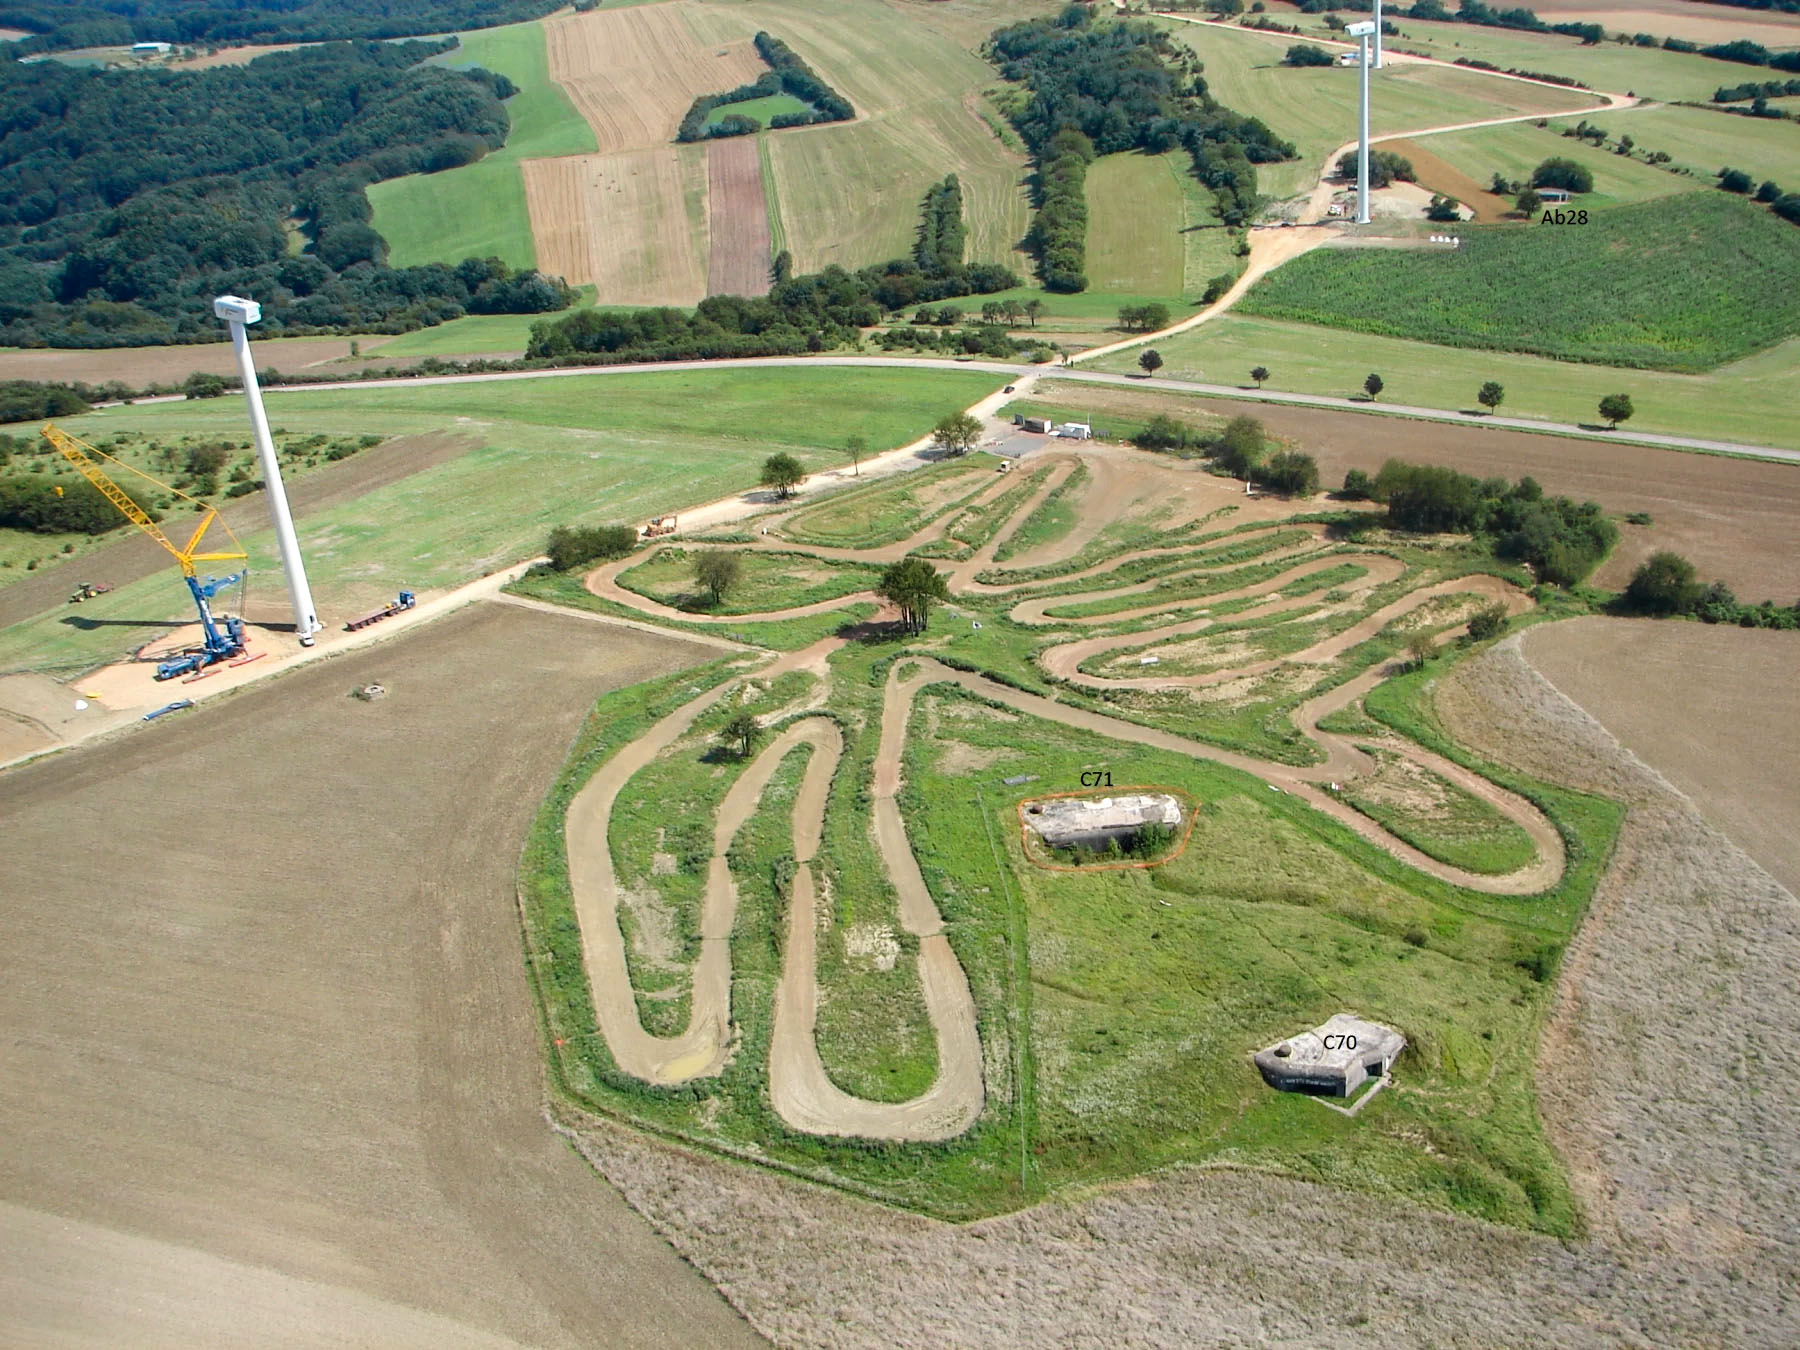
x,y
1332,1060
1090,822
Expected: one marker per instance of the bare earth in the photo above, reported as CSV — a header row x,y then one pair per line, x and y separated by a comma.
x,y
141,367
737,219
1702,704
292,1094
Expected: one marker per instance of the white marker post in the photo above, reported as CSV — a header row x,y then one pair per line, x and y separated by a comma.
x,y
1361,31
237,312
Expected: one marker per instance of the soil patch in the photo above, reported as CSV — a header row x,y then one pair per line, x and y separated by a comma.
x,y
307,1047
141,367
1439,176
737,219
1701,704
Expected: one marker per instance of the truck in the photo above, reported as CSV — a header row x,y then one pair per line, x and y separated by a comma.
x,y
399,605
658,527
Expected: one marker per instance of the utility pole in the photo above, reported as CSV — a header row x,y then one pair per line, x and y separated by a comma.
x,y
1361,31
238,312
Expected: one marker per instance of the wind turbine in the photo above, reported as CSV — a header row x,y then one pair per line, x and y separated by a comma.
x,y
1361,32
237,312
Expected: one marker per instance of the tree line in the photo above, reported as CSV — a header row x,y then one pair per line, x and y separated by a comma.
x,y
57,26
128,199
942,234
1089,89
787,74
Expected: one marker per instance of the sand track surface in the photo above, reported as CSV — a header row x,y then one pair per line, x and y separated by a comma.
x,y
799,1087
294,1094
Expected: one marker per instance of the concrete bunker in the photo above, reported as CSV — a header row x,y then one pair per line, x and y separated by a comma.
x,y
1143,824
1332,1060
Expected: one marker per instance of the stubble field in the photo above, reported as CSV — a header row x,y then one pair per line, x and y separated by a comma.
x,y
737,219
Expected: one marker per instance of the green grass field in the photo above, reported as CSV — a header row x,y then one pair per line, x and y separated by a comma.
x,y
479,210
762,109
1685,284
1706,141
1514,151
1135,220
585,449
474,334
1748,400
770,581
1317,108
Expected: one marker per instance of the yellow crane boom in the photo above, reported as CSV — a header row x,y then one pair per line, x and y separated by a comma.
x,y
86,459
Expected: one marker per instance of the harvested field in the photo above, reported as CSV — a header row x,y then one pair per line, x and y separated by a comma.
x,y
1700,706
1689,1188
1690,19
620,223
134,556
293,1096
737,219
143,366
633,72
1732,517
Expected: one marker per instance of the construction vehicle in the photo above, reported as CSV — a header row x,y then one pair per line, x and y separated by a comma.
x,y
405,601
657,528
220,640
88,590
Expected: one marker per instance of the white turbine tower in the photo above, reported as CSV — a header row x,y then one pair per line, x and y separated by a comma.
x,y
1380,61
237,312
1361,31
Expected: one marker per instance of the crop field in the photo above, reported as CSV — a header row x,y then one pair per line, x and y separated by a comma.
x,y
850,192
624,223
583,449
1689,284
1109,1012
632,72
479,210
1317,108
739,257
1746,400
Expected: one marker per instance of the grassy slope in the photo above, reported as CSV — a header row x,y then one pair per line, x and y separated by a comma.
x,y
1316,108
1685,285
1706,141
587,449
1749,400
762,109
1135,217
1514,151
479,210
850,192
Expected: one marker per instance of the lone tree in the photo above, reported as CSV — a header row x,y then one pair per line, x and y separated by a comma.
x,y
1492,395
1240,447
782,472
1664,583
1527,201
956,433
716,571
1259,374
1616,408
742,733
1033,308
912,584
1374,385
1150,362
856,447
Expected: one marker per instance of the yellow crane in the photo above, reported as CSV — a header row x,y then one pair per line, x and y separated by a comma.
x,y
220,641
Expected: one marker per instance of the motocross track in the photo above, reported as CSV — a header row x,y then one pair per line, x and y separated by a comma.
x,y
800,1090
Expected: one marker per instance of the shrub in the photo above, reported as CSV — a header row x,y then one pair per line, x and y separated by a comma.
x,y
1305,54
1736,180
573,546
1240,447
1664,583
1163,432
1292,473
1488,623
1358,486
1563,173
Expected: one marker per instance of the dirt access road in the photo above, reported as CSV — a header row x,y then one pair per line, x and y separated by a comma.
x,y
295,1060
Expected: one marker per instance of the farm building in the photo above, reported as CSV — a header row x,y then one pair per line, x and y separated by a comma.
x,y
1041,426
1092,822
1332,1060
150,48
1550,194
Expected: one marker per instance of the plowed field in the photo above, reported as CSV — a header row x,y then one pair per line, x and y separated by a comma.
x,y
633,72
737,219
292,1097
620,222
